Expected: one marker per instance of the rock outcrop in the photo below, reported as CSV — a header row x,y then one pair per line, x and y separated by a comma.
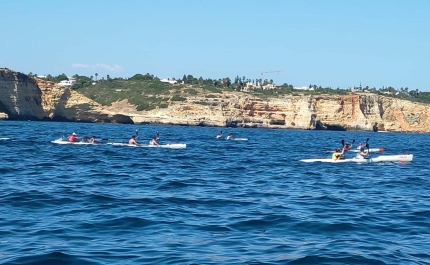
x,y
24,97
369,112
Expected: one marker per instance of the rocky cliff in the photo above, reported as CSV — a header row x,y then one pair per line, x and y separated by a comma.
x,y
333,112
24,97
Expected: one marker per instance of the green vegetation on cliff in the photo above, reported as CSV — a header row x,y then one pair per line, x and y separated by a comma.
x,y
148,92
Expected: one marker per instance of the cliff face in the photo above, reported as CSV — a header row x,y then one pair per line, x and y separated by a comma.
x,y
350,112
25,97
20,96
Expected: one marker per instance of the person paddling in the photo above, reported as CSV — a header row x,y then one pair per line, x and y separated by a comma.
x,y
229,137
154,141
133,140
93,140
338,154
72,138
218,135
363,154
347,146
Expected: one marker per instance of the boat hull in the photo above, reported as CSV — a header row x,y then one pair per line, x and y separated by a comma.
x,y
171,146
387,158
67,142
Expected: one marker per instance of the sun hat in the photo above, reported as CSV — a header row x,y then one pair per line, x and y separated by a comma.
x,y
73,133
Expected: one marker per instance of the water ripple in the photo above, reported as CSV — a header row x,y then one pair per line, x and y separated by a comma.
x,y
215,202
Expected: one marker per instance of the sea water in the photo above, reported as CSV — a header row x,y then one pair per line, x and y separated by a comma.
x,y
215,202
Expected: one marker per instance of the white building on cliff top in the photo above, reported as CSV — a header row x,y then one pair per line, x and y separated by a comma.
x,y
167,80
69,82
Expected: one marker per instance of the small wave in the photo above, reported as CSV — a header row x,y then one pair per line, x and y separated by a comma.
x,y
55,257
335,260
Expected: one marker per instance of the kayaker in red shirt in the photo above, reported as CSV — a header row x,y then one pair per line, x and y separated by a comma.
x,y
347,146
72,138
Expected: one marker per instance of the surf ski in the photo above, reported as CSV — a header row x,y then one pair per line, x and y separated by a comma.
x,y
61,141
172,145
384,158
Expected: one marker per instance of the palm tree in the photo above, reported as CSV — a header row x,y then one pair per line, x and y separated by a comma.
x,y
96,74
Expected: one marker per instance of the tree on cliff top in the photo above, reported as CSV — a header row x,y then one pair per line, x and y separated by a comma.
x,y
140,77
58,78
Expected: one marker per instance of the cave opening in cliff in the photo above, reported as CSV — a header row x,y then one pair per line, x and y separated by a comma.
x,y
334,128
328,127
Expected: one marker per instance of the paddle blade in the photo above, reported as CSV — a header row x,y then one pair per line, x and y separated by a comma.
x,y
343,142
367,140
353,141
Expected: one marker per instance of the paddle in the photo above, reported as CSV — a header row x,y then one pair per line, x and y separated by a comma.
x,y
137,135
367,146
343,145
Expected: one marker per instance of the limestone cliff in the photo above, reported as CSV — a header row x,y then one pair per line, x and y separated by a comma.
x,y
25,97
350,112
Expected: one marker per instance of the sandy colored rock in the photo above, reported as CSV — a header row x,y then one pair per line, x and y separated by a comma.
x,y
25,97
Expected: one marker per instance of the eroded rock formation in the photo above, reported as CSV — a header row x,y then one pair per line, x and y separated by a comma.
x,y
24,97
364,111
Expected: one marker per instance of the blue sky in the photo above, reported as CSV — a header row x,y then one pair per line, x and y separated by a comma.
x,y
332,43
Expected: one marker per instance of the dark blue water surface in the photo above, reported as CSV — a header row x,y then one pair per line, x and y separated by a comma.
x,y
215,202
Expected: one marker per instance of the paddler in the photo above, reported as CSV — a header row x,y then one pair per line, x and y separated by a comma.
x,y
362,154
229,137
347,146
72,138
153,141
93,140
218,135
338,154
133,140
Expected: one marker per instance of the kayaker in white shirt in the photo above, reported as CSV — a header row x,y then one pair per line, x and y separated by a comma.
x,y
154,141
362,154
